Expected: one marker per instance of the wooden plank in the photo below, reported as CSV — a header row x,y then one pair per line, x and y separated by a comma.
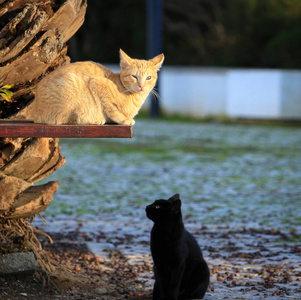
x,y
27,129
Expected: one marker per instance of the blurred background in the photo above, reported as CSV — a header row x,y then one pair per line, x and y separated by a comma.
x,y
227,33
226,36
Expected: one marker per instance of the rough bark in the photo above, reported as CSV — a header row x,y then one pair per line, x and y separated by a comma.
x,y
33,36
32,201
33,42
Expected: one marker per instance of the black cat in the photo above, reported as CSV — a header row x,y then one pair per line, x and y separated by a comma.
x,y
179,267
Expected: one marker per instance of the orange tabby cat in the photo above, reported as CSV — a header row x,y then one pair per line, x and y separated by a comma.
x,y
89,93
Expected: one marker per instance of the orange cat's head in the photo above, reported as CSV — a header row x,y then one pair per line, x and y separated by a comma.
x,y
137,75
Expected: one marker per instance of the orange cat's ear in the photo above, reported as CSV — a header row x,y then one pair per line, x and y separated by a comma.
x,y
125,60
158,61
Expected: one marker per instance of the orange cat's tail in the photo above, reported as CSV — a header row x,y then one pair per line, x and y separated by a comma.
x,y
21,115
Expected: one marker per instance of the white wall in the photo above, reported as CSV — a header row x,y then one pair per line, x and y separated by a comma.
x,y
291,95
193,91
253,94
243,93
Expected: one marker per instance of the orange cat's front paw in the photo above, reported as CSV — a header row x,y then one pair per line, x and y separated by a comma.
x,y
128,122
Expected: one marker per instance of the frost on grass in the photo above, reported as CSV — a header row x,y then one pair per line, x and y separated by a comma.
x,y
226,174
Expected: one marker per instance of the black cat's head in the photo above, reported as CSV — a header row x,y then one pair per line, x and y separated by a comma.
x,y
163,210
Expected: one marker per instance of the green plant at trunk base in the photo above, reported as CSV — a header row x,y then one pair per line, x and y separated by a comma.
x,y
5,93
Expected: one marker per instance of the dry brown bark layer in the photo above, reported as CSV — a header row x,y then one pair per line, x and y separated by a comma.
x,y
33,36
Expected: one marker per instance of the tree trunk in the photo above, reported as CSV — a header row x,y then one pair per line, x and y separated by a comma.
x,y
33,36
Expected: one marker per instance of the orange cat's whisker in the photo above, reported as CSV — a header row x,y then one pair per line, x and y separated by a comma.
x,y
157,96
128,91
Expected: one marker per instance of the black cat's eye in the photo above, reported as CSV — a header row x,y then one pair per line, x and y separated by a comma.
x,y
157,206
148,77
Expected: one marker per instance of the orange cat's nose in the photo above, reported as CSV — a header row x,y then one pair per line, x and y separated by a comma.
x,y
141,86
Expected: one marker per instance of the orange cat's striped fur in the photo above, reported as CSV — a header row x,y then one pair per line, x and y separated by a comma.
x,y
89,93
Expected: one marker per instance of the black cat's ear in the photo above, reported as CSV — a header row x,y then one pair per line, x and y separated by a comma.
x,y
174,197
177,205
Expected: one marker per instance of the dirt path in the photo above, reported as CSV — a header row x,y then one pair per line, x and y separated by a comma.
x,y
244,263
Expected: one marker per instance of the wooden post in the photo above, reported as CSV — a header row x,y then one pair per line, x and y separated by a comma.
x,y
154,43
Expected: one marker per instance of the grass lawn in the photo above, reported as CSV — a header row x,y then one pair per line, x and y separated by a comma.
x,y
241,175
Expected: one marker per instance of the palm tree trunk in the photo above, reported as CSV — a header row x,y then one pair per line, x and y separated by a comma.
x,y
33,36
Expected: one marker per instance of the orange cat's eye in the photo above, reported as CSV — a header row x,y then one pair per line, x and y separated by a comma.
x,y
148,77
134,76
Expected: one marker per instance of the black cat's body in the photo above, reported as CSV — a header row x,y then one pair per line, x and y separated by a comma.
x,y
180,269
